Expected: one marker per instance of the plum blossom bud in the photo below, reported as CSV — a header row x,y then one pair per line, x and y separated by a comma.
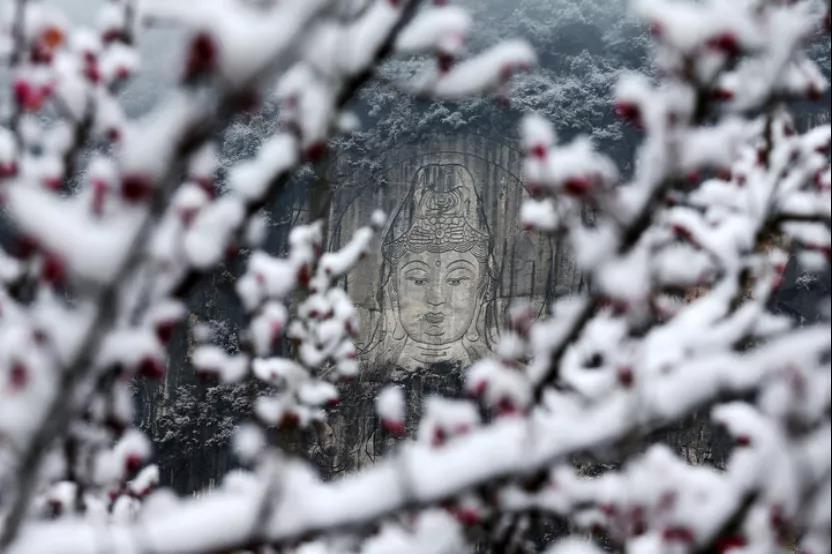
x,y
390,408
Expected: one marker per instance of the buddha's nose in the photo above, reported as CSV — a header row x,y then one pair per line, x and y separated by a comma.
x,y
434,295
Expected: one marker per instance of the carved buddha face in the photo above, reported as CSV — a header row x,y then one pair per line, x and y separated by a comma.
x,y
437,295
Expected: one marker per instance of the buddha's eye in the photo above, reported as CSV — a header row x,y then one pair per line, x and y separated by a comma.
x,y
418,281
456,281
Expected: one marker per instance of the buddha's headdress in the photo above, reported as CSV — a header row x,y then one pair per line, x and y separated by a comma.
x,y
445,215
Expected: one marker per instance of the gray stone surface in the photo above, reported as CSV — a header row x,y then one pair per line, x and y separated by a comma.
x,y
453,257
436,286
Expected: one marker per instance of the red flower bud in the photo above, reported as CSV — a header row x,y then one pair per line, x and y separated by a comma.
x,y
18,376
445,61
726,43
316,151
54,269
394,427
92,72
679,534
28,96
507,407
164,330
578,186
113,35
132,463
136,188
722,94
539,151
99,195
151,367
479,388
731,542
626,376
813,92
628,111
439,437
466,516
53,183
8,169
202,56
290,419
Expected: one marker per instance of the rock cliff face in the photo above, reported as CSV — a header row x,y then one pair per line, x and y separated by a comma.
x,y
432,294
431,297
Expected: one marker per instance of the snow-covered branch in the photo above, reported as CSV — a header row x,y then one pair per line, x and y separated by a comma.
x,y
116,219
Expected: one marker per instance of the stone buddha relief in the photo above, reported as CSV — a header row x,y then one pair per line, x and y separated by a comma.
x,y
453,258
436,285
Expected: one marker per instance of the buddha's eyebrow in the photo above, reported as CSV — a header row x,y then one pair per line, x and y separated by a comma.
x,y
455,262
415,262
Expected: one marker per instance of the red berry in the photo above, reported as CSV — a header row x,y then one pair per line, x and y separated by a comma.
x,y
743,440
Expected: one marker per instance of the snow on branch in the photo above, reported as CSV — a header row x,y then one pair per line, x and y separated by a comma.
x,y
115,219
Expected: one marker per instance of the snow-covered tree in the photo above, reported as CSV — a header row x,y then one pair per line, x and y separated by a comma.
x,y
114,220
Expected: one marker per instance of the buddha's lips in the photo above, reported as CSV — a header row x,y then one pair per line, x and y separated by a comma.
x,y
434,317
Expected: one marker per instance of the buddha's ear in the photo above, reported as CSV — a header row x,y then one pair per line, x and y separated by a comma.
x,y
473,333
391,311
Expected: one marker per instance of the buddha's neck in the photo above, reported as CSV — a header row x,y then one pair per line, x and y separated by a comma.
x,y
431,354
